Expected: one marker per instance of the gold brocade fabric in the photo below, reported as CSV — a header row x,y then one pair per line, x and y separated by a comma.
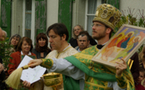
x,y
47,63
68,51
95,84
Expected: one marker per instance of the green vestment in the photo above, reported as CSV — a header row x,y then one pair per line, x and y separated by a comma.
x,y
97,75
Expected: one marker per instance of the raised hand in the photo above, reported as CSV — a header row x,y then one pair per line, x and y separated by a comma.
x,y
120,67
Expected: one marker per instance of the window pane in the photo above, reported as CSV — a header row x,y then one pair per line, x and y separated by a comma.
x,y
28,11
92,6
28,5
28,21
28,25
28,33
104,1
89,25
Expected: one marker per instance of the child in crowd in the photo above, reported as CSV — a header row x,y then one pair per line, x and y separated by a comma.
x,y
138,85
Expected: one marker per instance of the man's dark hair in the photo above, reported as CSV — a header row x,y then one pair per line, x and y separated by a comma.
x,y
59,29
84,33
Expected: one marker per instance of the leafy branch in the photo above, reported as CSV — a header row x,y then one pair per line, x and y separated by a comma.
x,y
5,52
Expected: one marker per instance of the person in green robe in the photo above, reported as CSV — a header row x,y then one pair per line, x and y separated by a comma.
x,y
97,76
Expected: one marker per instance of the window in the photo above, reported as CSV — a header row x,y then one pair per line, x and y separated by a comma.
x,y
91,6
28,11
29,19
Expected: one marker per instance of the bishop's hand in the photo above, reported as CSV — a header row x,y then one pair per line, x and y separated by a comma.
x,y
120,67
34,62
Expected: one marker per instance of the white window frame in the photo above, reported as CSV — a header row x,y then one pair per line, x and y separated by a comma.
x,y
32,20
86,12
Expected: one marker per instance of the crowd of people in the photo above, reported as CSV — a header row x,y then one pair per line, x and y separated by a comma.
x,y
73,60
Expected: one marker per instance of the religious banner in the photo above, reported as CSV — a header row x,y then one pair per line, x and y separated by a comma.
x,y
123,45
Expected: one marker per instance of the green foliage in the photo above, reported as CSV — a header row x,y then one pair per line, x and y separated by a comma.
x,y
5,52
131,20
